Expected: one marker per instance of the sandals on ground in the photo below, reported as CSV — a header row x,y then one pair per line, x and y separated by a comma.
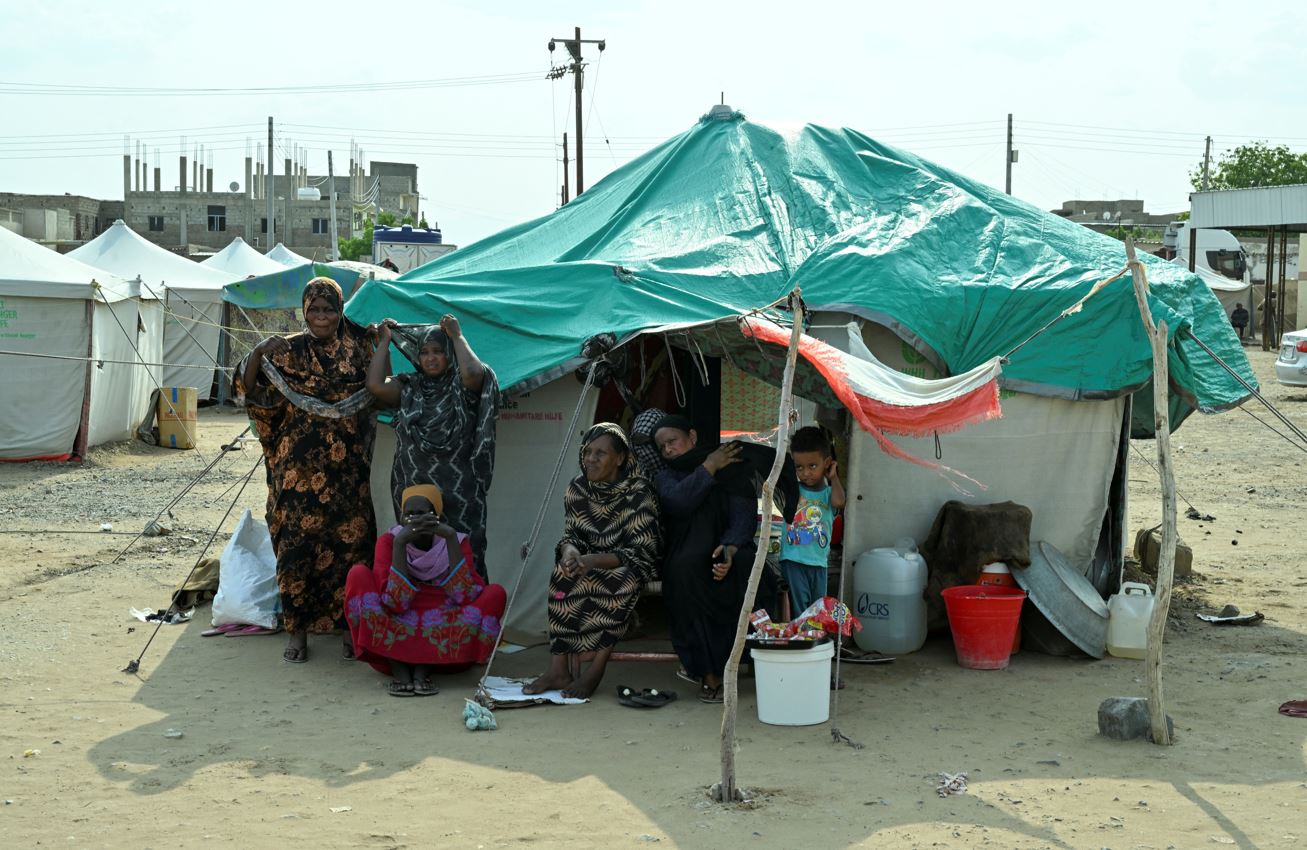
x,y
647,698
711,696
400,689
424,688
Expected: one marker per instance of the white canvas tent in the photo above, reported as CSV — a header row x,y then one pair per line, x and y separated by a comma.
x,y
281,254
240,261
192,295
1229,292
59,307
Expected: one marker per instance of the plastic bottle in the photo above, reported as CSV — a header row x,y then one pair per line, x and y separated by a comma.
x,y
889,585
1128,613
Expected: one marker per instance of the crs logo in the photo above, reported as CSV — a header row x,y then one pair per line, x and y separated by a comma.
x,y
868,607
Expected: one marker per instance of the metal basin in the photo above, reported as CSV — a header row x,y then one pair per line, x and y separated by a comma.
x,y
1065,597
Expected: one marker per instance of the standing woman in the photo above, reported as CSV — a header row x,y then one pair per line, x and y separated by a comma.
x,y
445,425
307,398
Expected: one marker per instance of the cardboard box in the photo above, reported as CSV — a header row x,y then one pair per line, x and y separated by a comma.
x,y
177,433
177,403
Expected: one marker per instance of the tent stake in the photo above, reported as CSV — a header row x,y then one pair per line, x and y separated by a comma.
x,y
1166,559
727,791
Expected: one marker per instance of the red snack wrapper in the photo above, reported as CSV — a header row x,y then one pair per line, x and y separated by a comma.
x,y
827,614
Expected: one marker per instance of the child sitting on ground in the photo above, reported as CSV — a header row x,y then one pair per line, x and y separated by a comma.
x,y
806,546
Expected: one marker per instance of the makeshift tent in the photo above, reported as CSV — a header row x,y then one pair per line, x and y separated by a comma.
x,y
729,216
192,294
284,288
239,260
366,270
286,256
54,307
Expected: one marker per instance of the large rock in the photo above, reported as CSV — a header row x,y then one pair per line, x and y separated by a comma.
x,y
1126,718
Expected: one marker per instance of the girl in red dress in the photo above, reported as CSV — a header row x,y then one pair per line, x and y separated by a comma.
x,y
422,607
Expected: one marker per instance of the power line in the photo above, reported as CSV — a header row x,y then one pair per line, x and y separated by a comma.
x,y
58,89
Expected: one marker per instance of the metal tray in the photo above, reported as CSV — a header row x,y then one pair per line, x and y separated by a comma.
x,y
1065,596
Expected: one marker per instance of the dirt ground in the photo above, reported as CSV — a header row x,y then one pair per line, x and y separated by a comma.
x,y
319,755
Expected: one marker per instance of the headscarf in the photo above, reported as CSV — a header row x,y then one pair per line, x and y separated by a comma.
x,y
323,287
609,492
642,432
430,492
433,413
743,478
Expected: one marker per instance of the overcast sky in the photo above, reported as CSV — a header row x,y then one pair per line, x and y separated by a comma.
x,y
1110,100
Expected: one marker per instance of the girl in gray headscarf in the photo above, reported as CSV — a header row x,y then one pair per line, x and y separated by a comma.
x,y
445,424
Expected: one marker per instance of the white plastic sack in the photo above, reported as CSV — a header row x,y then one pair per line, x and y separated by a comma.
x,y
247,578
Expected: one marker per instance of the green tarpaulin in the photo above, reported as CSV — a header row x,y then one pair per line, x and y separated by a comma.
x,y
285,289
731,215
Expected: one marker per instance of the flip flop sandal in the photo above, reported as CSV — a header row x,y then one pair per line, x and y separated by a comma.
x,y
301,655
247,631
1294,708
220,630
684,676
654,698
424,688
626,696
711,696
397,689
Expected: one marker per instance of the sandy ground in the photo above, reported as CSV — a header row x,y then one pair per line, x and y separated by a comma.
x,y
319,755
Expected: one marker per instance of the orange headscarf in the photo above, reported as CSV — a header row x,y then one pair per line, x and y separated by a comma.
x,y
430,492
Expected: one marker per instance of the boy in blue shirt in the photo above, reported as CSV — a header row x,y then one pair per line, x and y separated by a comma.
x,y
805,549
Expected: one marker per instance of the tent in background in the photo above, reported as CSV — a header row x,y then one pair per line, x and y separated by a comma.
x,y
932,270
59,307
193,300
286,256
239,260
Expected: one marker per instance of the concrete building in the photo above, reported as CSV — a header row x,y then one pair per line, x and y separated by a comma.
x,y
1108,215
57,218
194,214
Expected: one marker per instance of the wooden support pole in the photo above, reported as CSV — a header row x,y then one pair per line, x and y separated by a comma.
x,y
728,790
1166,559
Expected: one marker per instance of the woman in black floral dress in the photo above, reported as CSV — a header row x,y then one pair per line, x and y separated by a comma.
x,y
307,398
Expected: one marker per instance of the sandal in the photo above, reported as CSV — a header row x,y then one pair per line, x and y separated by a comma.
x,y
220,630
684,676
296,654
711,696
647,698
400,689
424,688
246,631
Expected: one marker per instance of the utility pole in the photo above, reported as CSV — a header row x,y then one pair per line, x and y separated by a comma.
x,y
573,46
1011,154
1207,161
335,237
272,228
564,169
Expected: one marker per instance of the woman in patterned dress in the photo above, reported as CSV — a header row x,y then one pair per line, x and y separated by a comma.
x,y
610,548
422,608
445,424
303,393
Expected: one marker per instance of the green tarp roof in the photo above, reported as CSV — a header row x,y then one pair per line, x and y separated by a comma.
x,y
731,214
285,289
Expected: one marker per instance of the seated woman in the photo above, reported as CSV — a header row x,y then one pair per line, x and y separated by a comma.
x,y
610,548
710,510
422,607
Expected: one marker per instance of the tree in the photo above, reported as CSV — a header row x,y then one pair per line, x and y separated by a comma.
x,y
1252,165
386,219
352,249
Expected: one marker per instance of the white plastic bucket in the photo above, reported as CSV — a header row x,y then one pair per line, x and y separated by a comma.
x,y
793,685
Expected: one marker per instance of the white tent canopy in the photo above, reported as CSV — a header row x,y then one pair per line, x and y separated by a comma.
x,y
286,256
57,307
193,294
241,261
1228,292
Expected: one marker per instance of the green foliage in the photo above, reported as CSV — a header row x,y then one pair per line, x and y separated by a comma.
x,y
408,219
1252,165
386,219
422,223
1136,233
353,249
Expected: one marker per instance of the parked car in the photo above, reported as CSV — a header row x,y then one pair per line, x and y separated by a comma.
x,y
1291,365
